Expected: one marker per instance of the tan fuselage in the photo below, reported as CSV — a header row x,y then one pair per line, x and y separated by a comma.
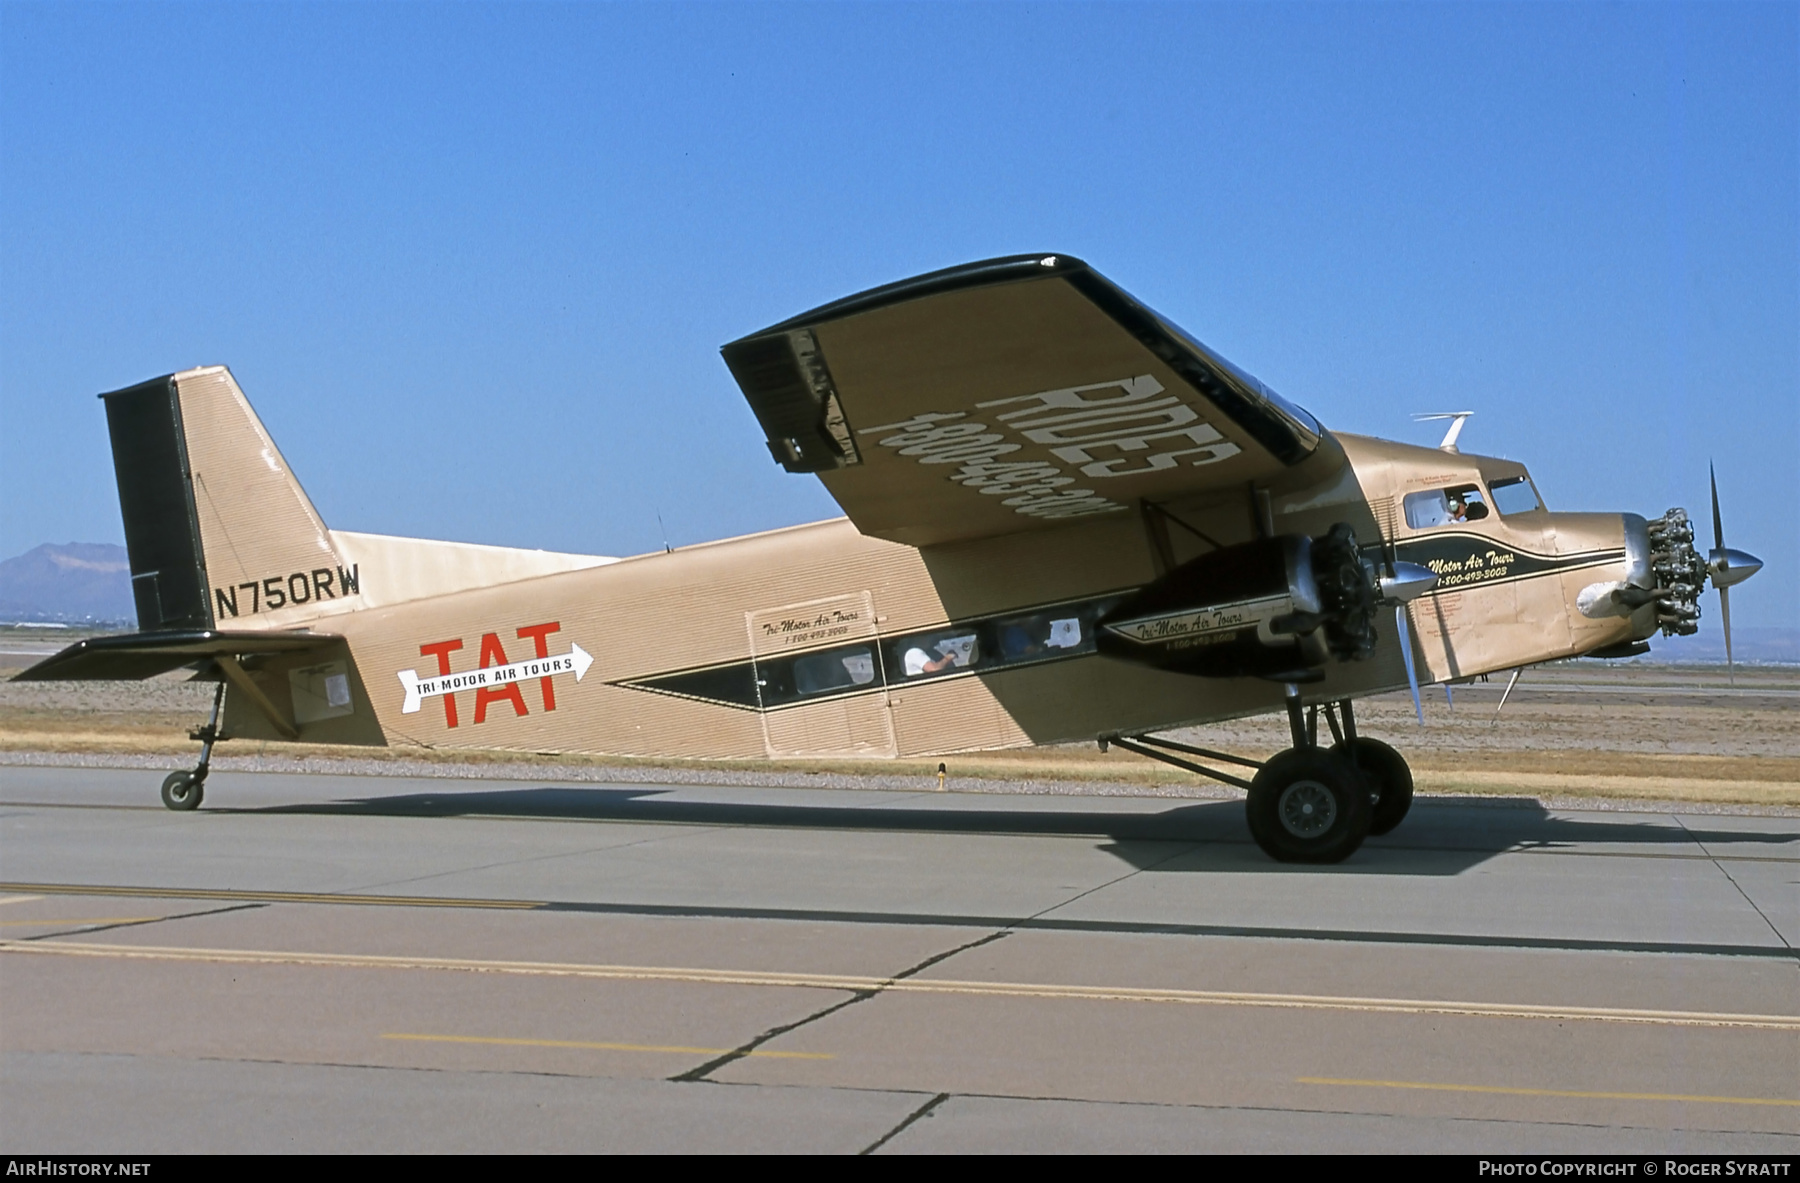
x,y
699,652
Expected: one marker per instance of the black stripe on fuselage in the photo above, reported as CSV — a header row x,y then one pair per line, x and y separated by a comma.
x,y
1462,561
780,685
990,643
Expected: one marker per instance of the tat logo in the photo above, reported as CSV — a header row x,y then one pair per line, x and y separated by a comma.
x,y
495,679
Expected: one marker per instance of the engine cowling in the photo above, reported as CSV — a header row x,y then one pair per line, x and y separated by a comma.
x,y
1278,608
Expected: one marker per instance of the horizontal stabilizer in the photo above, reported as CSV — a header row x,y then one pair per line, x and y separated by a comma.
x,y
134,656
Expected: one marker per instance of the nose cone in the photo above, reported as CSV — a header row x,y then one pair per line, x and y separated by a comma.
x,y
1408,582
1726,568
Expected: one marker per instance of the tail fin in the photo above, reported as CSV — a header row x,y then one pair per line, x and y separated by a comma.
x,y
219,532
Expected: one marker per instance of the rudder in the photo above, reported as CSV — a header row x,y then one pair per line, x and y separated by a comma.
x,y
219,532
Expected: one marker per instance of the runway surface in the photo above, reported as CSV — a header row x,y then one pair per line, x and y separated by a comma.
x,y
365,963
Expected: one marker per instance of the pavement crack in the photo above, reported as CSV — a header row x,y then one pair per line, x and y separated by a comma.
x,y
700,1073
922,1111
693,1075
949,953
1081,895
1730,879
90,929
541,858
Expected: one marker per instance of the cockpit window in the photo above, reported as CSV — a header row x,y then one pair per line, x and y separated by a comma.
x,y
1445,507
1514,494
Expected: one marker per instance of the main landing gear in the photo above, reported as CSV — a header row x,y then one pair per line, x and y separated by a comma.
x,y
185,790
1308,804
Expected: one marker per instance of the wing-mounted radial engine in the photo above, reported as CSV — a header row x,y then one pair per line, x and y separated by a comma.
x,y
1280,608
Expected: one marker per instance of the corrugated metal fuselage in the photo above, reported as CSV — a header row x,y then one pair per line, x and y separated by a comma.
x,y
817,641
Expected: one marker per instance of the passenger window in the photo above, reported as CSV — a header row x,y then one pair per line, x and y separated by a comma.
x,y
1043,635
819,672
935,653
1445,507
1515,495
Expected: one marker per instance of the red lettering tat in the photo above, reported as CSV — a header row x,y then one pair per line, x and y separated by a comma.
x,y
539,633
493,654
443,650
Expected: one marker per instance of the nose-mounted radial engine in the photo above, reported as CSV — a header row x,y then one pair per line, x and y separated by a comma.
x,y
1666,576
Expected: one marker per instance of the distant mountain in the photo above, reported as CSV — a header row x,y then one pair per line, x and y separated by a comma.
x,y
80,582
1753,645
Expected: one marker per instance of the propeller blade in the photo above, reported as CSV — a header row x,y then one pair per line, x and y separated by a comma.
x,y
1412,677
1725,620
1507,693
1718,523
1724,573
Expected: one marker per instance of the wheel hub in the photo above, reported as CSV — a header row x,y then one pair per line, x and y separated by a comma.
x,y
1306,809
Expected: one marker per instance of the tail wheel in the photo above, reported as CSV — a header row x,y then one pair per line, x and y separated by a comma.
x,y
1392,779
1308,805
182,791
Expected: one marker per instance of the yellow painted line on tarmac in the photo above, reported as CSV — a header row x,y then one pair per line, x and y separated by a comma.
x,y
1518,1092
270,897
921,985
19,899
609,1047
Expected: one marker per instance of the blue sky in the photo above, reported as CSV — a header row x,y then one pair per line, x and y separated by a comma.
x,y
473,263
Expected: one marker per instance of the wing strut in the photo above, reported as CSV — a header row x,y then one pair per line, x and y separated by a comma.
x,y
240,679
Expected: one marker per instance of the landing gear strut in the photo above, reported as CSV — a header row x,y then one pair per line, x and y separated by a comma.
x,y
185,790
1308,804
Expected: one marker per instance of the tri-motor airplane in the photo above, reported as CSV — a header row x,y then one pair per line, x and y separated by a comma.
x,y
1067,520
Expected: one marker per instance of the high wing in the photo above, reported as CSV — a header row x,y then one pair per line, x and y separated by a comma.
x,y
1007,395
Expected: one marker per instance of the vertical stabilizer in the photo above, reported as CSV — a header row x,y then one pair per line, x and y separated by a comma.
x,y
219,532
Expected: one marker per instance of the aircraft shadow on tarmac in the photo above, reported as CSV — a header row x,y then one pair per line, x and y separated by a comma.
x,y
1439,838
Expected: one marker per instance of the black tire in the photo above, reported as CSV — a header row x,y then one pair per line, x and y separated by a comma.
x,y
182,791
1308,805
1392,780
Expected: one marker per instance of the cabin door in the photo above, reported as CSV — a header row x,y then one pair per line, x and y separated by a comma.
x,y
820,680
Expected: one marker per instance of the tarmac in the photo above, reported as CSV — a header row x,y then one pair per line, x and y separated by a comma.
x,y
377,963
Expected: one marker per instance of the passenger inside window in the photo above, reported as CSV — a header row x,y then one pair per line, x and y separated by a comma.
x,y
1036,636
929,655
820,672
1445,507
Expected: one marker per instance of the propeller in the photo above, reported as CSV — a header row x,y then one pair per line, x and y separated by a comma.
x,y
1724,591
1400,584
1412,675
1506,694
1725,568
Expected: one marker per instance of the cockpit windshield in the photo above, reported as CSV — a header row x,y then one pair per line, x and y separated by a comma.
x,y
1514,494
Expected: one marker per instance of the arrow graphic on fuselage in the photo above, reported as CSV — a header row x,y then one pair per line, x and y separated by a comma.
x,y
418,689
